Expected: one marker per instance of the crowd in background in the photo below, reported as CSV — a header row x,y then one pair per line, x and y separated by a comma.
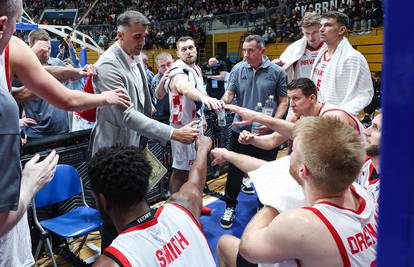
x,y
278,20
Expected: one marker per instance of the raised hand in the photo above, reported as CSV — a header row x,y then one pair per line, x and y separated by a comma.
x,y
218,156
246,138
211,103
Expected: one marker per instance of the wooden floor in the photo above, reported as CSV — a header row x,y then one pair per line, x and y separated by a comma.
x,y
90,250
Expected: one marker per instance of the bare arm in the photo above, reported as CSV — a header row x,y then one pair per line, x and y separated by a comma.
x,y
35,175
64,74
180,83
282,106
191,193
27,67
265,142
228,96
105,261
243,162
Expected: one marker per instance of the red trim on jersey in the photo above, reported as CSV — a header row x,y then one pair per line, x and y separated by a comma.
x,y
361,207
197,69
373,181
335,235
6,66
118,255
324,57
191,216
349,115
188,213
320,109
310,48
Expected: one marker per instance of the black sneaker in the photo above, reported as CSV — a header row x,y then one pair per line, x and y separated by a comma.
x,y
247,187
228,217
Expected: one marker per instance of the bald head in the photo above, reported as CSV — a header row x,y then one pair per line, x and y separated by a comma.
x,y
213,61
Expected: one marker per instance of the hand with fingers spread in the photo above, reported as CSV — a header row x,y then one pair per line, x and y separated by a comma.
x,y
248,116
211,103
37,174
117,97
246,138
42,50
219,156
186,134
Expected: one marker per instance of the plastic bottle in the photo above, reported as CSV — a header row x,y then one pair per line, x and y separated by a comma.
x,y
268,108
221,118
256,125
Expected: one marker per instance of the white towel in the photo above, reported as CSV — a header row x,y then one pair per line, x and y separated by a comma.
x,y
347,79
292,54
275,186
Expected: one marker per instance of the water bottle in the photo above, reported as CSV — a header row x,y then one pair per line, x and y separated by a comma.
x,y
221,118
268,108
256,125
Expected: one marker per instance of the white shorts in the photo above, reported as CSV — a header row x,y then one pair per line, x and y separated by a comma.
x,y
183,155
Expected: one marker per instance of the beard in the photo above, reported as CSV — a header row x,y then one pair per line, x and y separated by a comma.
x,y
190,61
372,150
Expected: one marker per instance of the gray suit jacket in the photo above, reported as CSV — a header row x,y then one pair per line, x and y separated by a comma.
x,y
113,124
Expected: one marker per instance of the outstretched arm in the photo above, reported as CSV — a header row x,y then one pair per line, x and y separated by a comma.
x,y
28,69
243,162
191,193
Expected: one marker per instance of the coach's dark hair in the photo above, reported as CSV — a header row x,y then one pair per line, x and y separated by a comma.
x,y
121,174
257,38
132,17
307,86
340,17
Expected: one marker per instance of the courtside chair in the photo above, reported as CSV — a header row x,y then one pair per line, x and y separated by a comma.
x,y
77,222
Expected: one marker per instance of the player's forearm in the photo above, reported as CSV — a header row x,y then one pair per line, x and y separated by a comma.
x,y
198,172
63,74
268,141
159,90
281,109
9,219
243,162
22,94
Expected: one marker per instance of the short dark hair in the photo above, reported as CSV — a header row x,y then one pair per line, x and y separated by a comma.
x,y
183,39
307,86
340,17
38,35
131,17
254,37
121,174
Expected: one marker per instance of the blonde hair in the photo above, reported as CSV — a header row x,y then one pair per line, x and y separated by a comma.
x,y
331,150
310,19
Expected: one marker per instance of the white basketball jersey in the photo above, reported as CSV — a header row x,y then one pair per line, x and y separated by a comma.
x,y
330,107
364,179
303,66
3,79
182,108
319,70
355,233
172,238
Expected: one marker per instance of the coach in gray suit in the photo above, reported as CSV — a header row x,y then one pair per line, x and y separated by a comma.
x,y
121,66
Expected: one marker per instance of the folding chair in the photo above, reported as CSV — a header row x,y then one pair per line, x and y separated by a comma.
x,y
77,222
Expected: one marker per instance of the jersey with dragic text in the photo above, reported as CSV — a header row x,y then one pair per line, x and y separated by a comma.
x,y
172,238
303,66
354,231
319,70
